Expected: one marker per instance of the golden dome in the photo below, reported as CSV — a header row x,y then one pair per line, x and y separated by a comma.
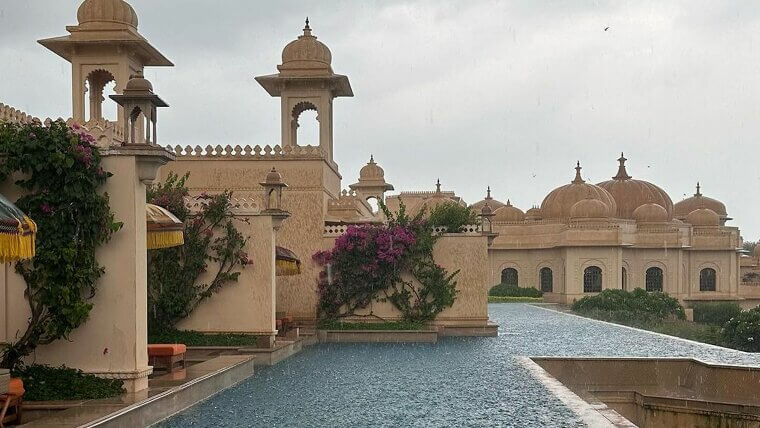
x,y
534,213
508,213
629,194
650,213
106,11
559,201
703,217
683,208
493,203
306,54
589,208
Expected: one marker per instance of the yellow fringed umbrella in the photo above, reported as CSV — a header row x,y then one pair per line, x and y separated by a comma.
x,y
17,233
286,262
164,228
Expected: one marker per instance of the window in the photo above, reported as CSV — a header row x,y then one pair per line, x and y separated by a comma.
x,y
653,279
592,280
546,279
624,275
707,279
509,276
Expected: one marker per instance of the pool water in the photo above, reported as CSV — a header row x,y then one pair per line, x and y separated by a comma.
x,y
460,382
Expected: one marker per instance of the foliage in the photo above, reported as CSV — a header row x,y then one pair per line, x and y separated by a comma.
x,y
715,313
196,338
752,277
367,262
512,299
743,331
452,216
637,306
390,325
45,383
508,290
749,246
174,289
61,177
690,330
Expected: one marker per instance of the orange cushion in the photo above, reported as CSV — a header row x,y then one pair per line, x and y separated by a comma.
x,y
166,350
16,386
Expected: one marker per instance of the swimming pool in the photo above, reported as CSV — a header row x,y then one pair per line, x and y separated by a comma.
x,y
456,382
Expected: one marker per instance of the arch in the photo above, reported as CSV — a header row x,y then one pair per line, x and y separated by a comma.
x,y
310,132
509,276
592,279
654,279
708,279
96,82
374,204
546,278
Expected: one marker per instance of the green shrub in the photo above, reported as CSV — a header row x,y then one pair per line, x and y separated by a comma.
x,y
637,306
508,290
704,333
45,383
743,331
196,338
452,216
389,325
510,299
715,313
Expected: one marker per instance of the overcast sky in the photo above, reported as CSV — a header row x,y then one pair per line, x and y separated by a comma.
x,y
506,94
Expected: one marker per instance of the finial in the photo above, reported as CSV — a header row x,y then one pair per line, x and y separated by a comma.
x,y
509,203
307,29
578,178
438,185
622,174
371,159
307,22
488,192
698,188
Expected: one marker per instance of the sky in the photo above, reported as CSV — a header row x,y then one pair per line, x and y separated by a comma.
x,y
502,93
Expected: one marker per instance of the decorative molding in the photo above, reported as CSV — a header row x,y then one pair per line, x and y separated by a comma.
x,y
123,375
247,152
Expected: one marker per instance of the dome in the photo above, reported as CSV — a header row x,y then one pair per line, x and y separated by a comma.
x,y
683,208
486,210
306,54
559,201
273,177
629,193
106,11
703,217
371,171
650,213
493,203
138,83
589,208
533,214
431,203
508,213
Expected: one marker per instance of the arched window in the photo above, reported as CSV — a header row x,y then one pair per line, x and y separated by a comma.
x,y
509,276
546,280
305,124
707,279
592,279
624,274
654,279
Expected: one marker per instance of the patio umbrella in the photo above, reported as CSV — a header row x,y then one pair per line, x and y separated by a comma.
x,y
164,228
286,262
17,233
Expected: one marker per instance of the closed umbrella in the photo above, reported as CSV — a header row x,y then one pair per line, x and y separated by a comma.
x,y
164,228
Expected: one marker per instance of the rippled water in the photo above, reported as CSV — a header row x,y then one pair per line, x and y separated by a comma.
x,y
457,382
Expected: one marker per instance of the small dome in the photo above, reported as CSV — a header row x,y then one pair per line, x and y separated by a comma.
x,y
431,203
138,83
493,203
559,201
486,210
371,171
533,214
306,53
703,217
683,208
508,213
629,194
273,177
106,11
650,213
589,208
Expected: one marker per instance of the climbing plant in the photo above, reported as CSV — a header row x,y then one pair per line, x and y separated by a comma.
x,y
174,286
59,171
391,262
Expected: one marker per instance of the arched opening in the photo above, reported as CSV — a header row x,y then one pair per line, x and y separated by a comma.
x,y
592,279
547,280
707,279
374,204
509,276
624,275
305,125
653,281
100,84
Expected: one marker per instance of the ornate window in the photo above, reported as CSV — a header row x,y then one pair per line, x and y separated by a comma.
x,y
509,276
707,279
654,279
546,280
624,275
592,279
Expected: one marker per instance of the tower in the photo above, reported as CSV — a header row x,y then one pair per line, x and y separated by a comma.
x,y
306,82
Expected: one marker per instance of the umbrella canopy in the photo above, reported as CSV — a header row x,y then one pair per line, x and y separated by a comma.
x,y
17,233
286,262
164,228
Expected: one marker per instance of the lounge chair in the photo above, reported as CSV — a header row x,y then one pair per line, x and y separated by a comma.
x,y
166,356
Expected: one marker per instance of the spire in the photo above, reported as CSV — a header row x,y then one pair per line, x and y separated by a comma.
x,y
307,29
698,188
622,174
488,193
438,185
371,158
578,178
509,203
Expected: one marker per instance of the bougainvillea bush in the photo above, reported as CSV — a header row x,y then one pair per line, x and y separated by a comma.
x,y
368,263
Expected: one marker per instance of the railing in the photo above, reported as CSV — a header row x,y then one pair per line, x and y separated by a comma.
x,y
240,206
312,152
